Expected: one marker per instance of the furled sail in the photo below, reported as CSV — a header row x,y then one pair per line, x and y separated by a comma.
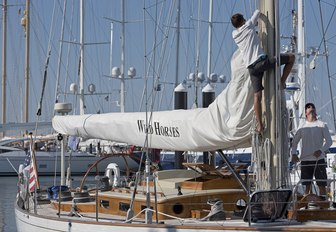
x,y
225,124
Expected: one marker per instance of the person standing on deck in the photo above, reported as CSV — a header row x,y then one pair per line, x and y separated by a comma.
x,y
316,140
255,59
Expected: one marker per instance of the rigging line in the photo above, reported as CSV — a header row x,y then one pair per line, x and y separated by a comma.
x,y
39,107
145,67
96,56
13,95
325,32
60,57
328,3
220,46
151,60
188,36
195,104
225,65
147,121
39,110
330,20
153,19
327,63
155,76
164,43
165,74
191,44
68,54
185,43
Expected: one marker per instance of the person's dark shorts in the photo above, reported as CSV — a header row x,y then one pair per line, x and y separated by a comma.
x,y
258,68
307,172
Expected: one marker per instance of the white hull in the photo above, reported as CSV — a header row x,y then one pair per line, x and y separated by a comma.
x,y
46,162
27,222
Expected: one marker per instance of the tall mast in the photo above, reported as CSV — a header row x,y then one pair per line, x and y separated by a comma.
x,y
4,64
122,67
81,77
27,28
177,42
268,30
210,38
302,59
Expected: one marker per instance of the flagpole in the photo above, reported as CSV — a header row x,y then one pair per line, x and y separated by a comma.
x,y
32,150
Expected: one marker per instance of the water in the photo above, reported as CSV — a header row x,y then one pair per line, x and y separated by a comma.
x,y
8,190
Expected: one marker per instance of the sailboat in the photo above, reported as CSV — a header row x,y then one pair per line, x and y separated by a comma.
x,y
201,198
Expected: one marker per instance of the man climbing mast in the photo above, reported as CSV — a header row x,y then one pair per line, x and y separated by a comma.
x,y
256,60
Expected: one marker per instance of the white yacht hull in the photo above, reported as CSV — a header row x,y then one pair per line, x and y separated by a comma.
x,y
27,222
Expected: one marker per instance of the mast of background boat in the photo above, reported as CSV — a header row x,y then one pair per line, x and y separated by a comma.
x,y
178,91
81,88
292,86
25,22
111,49
177,43
81,77
122,65
210,39
193,76
4,64
301,63
208,87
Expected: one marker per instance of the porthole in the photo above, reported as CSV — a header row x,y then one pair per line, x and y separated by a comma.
x,y
178,208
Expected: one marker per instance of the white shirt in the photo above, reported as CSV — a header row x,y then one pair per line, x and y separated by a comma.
x,y
314,136
248,41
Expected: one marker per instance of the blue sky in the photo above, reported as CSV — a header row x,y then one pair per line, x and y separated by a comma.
x,y
46,19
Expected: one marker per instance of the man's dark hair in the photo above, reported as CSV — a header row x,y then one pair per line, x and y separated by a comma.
x,y
237,20
309,105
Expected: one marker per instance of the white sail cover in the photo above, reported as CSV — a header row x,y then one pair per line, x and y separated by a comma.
x,y
225,124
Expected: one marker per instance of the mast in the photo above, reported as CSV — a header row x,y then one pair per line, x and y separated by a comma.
x,y
4,64
111,48
302,59
27,29
122,67
210,38
268,37
177,42
81,77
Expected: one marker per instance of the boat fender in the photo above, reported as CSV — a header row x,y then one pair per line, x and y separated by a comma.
x,y
113,168
21,168
22,196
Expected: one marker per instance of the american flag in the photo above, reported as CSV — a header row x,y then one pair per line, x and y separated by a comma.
x,y
29,165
